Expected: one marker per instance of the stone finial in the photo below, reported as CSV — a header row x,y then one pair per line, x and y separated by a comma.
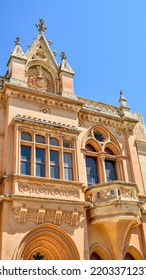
x,y
41,26
17,41
63,55
122,101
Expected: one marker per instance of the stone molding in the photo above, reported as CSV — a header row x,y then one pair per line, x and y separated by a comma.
x,y
48,190
50,99
106,120
48,215
44,123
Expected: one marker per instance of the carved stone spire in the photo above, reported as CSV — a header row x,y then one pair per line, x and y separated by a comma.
x,y
64,64
122,100
123,104
18,52
41,26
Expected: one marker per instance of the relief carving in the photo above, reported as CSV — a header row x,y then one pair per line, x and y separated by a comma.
x,y
40,78
40,216
70,192
22,215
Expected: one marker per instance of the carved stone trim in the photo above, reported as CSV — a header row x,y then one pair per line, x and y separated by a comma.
x,y
113,121
22,215
40,216
47,190
21,91
43,123
58,217
74,218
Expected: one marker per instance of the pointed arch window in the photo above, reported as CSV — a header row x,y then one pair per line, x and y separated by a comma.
x,y
100,166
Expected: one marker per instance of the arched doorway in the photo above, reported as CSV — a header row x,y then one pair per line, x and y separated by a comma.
x,y
46,242
128,256
95,256
132,253
98,252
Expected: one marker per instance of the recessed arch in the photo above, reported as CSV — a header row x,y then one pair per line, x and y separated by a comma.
x,y
108,138
101,251
44,64
113,147
94,144
49,240
134,252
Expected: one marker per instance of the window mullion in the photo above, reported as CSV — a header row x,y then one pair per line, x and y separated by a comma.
x,y
61,164
33,156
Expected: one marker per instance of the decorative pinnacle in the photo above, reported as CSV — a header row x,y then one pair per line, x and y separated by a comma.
x,y
121,96
63,55
41,26
17,41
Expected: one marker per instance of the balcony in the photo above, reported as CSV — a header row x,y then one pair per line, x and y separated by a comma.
x,y
113,201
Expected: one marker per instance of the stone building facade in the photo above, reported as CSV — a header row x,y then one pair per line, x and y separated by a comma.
x,y
72,170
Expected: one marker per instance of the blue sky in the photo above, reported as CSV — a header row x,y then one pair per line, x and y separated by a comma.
x,y
104,40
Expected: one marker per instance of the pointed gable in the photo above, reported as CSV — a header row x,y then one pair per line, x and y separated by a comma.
x,y
38,68
41,66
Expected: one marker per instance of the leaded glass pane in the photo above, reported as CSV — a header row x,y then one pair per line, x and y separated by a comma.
x,y
110,170
26,136
91,170
67,143
40,139
53,141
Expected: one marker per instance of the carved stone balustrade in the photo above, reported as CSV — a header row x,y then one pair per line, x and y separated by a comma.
x,y
113,201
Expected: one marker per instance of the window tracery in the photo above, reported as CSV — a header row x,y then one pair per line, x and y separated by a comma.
x,y
102,153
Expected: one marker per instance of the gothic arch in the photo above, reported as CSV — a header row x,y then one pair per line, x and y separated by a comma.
x,y
48,240
101,251
134,252
108,138
48,67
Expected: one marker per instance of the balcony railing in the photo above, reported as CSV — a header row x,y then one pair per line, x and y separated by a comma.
x,y
111,191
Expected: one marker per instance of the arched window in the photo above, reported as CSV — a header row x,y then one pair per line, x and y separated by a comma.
x,y
102,152
26,136
40,139
54,141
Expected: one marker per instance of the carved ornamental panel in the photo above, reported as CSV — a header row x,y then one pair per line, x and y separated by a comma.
x,y
40,78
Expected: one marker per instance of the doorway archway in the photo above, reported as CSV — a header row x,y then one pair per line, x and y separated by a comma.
x,y
48,242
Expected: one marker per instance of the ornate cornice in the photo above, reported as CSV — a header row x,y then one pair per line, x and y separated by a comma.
x,y
18,119
38,96
107,120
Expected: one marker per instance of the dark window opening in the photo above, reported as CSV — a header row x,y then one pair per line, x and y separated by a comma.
x,y
95,256
110,167
54,164
25,165
91,170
